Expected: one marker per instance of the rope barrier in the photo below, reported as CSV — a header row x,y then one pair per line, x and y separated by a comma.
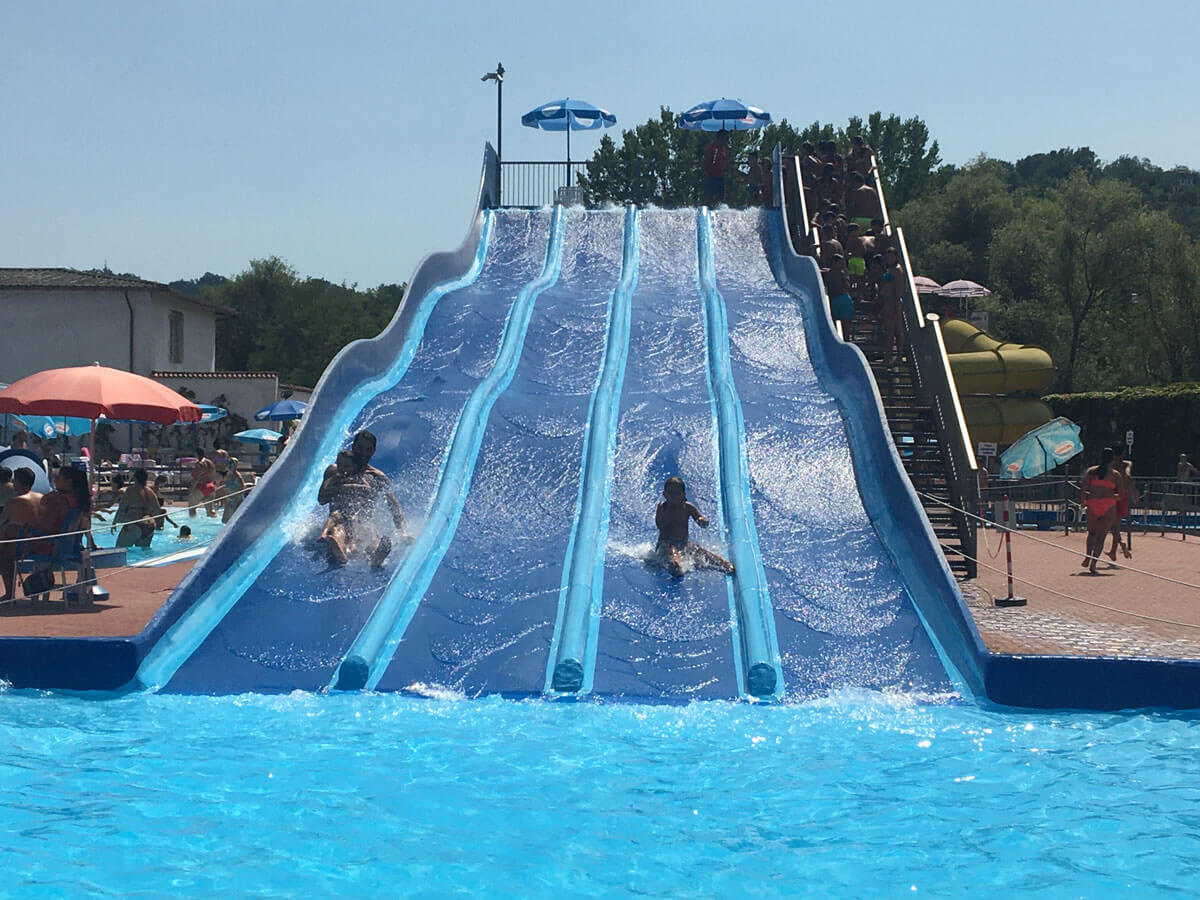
x,y
1035,540
166,511
1093,603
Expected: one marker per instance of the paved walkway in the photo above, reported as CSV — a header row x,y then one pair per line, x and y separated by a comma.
x,y
1119,611
1123,610
135,595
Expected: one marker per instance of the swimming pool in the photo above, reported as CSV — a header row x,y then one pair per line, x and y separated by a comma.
x,y
166,541
856,795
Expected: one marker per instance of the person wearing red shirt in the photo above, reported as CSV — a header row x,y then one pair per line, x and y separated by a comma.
x,y
716,157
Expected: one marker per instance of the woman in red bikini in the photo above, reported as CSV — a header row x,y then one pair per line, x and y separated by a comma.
x,y
1099,494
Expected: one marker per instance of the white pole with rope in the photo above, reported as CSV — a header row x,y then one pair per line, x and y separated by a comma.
x,y
1010,600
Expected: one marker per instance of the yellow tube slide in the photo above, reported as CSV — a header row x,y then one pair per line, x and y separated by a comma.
x,y
984,365
1003,419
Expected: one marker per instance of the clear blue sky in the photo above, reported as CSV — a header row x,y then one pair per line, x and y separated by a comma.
x,y
171,138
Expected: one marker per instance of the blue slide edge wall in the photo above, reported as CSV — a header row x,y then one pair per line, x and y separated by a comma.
x,y
1032,682
108,664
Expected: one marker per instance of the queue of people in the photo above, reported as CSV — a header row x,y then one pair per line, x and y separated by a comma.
x,y
860,264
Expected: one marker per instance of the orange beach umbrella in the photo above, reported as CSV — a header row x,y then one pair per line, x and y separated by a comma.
x,y
94,391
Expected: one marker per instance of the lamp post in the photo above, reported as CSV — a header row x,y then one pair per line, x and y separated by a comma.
x,y
498,77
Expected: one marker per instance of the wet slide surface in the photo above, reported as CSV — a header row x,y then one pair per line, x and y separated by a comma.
x,y
486,621
293,625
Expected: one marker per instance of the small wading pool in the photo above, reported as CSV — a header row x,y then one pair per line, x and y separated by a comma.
x,y
166,541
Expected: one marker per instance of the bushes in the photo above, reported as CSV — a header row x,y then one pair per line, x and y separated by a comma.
x,y
1165,421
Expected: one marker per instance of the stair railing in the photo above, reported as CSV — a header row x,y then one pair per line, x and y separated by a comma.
x,y
937,390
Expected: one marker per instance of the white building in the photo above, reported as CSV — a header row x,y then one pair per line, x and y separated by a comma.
x,y
53,318
62,317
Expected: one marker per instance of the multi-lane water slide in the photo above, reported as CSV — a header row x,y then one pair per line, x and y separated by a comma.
x,y
530,397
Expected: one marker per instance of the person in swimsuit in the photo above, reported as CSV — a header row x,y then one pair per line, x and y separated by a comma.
x,y
233,489
352,488
137,513
1098,495
204,477
672,517
21,511
895,337
1127,495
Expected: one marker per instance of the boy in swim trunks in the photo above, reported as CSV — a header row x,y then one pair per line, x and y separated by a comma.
x,y
671,517
204,476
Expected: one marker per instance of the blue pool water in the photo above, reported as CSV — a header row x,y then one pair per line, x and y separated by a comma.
x,y
204,531
855,795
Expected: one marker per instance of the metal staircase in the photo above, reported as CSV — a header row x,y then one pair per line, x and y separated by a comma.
x,y
919,397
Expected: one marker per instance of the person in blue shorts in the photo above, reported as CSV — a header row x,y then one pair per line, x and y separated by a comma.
x,y
672,517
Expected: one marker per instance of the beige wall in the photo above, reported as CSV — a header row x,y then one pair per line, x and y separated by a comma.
x,y
46,329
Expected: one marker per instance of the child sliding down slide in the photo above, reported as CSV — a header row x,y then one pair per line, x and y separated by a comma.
x,y
672,517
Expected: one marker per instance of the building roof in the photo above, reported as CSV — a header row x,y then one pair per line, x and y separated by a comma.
x,y
76,280
169,374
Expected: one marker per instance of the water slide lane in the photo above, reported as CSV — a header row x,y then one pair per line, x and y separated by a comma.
x,y
296,619
659,636
373,648
581,592
843,617
486,620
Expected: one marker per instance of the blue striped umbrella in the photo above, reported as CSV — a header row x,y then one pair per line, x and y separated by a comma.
x,y
723,115
568,115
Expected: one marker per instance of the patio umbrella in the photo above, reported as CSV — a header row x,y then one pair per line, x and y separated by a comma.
x,y
568,115
723,115
281,411
962,290
1040,450
93,391
258,436
46,426
926,285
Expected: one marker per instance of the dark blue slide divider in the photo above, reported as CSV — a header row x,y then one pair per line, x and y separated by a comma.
x,y
663,637
842,614
485,622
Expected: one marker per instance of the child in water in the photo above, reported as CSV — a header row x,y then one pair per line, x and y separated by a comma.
x,y
185,533
672,517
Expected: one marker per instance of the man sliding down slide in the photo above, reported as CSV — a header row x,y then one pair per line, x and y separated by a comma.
x,y
352,489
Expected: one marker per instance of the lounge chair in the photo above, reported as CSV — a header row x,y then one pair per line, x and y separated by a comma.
x,y
44,560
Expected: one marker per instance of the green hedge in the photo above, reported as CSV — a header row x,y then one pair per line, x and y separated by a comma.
x,y
1165,421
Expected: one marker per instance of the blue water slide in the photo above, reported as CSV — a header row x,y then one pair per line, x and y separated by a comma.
x,y
657,636
274,513
486,619
843,614
376,643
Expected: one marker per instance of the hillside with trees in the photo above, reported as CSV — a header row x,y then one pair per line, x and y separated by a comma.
x,y
288,324
1098,262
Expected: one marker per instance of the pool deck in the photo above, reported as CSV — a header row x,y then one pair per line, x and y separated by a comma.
x,y
1117,612
1133,614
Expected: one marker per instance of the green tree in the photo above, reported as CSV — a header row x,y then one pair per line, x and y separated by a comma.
x,y
1068,254
660,164
948,231
294,326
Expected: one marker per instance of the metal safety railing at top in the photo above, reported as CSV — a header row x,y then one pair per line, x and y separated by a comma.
x,y
527,185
